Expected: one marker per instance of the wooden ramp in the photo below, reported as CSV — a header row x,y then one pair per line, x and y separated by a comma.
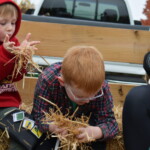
x,y
118,45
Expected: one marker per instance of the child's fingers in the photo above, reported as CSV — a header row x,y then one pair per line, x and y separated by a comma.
x,y
16,48
34,43
6,39
11,44
28,36
65,132
81,135
81,130
59,130
35,49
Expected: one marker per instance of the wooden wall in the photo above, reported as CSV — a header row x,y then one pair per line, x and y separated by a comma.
x,y
120,45
26,89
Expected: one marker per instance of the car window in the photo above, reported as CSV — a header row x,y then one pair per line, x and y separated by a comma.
x,y
85,9
112,11
98,10
55,8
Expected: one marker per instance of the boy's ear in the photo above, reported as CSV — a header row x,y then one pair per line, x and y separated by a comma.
x,y
61,80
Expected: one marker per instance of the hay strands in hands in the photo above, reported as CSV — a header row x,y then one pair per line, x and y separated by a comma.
x,y
22,58
69,141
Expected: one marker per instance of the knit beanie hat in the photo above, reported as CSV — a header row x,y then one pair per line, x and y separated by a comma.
x,y
146,63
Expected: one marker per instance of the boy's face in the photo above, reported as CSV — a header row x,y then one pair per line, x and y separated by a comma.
x,y
79,96
7,26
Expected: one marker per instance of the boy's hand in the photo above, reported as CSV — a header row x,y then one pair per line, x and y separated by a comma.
x,y
9,46
89,133
26,42
29,45
56,130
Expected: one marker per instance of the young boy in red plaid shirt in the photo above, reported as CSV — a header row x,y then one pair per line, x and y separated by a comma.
x,y
79,81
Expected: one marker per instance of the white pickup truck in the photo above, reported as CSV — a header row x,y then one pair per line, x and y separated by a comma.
x,y
99,13
116,11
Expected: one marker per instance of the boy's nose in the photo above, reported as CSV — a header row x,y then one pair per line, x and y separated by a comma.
x,y
87,101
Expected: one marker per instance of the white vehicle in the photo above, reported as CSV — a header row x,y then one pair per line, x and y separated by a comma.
x,y
115,11
99,13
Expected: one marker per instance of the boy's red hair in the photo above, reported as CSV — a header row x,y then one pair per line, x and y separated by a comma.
x,y
83,66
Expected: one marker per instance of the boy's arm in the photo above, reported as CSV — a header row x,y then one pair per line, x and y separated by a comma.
x,y
7,63
105,115
106,126
40,106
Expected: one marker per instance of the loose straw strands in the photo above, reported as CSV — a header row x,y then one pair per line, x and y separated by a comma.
x,y
69,141
117,142
26,107
23,57
4,139
113,144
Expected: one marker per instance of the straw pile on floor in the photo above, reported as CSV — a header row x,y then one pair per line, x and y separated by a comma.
x,y
70,142
117,142
4,140
27,108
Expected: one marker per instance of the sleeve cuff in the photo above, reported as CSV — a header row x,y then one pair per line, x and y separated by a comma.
x,y
105,132
6,53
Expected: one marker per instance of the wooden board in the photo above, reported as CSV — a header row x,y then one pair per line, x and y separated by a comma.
x,y
26,89
119,45
119,92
